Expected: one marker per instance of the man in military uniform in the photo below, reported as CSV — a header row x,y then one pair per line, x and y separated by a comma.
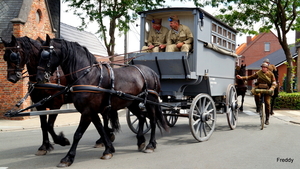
x,y
264,77
274,70
180,37
271,67
157,37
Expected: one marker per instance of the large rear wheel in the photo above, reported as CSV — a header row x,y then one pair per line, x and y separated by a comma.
x,y
202,117
232,106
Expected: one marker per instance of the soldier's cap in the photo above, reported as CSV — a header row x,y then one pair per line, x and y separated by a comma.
x,y
267,60
156,21
264,65
173,18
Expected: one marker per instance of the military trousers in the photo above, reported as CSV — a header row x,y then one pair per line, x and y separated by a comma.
x,y
173,48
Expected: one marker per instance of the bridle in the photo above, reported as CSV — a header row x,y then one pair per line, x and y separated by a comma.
x,y
15,58
46,55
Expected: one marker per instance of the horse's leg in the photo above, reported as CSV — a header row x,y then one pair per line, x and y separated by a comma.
x,y
151,109
58,139
242,105
109,149
109,131
46,145
84,123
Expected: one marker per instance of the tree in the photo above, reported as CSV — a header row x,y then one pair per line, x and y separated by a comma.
x,y
117,12
278,14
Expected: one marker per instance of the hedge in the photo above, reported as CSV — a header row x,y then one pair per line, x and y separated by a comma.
x,y
288,101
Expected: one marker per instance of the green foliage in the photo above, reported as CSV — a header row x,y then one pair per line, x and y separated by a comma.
x,y
288,101
281,15
110,15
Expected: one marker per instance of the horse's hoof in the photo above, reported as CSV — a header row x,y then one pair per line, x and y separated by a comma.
x,y
141,147
149,150
112,138
41,152
61,165
98,145
106,156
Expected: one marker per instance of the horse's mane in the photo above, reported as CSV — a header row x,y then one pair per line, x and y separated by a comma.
x,y
74,55
27,44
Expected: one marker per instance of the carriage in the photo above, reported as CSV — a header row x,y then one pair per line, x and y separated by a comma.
x,y
197,84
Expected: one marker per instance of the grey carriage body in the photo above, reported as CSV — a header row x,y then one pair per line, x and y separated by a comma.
x,y
199,83
203,70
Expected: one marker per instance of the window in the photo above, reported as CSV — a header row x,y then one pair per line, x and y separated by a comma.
x,y
267,47
38,16
223,37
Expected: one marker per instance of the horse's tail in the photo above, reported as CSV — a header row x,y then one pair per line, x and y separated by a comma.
x,y
161,120
114,119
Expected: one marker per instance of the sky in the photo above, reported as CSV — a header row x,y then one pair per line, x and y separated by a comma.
x,y
133,35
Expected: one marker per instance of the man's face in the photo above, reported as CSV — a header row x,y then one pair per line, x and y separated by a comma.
x,y
174,25
264,69
156,26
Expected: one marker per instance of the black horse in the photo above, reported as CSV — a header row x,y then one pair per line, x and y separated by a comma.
x,y
97,88
240,85
24,51
276,92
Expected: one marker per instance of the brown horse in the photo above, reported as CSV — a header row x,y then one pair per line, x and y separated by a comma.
x,y
240,85
97,88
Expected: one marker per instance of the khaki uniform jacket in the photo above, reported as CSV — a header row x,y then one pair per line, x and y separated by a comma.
x,y
261,81
272,67
184,35
158,37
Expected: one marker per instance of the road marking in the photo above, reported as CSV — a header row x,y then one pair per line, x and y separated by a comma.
x,y
250,113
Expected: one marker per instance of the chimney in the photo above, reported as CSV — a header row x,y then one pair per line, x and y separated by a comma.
x,y
249,40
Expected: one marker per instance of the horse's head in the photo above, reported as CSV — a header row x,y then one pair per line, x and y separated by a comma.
x,y
49,60
241,70
15,58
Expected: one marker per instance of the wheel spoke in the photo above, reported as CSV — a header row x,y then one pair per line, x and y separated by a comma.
x,y
204,129
208,126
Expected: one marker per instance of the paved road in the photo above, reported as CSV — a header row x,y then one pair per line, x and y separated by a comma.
x,y
245,147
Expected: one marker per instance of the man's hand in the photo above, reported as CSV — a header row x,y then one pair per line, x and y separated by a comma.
x,y
238,76
162,46
151,47
179,45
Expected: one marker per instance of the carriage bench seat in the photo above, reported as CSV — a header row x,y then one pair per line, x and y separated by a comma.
x,y
168,65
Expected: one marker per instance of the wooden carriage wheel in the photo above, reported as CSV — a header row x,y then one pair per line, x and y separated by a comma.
x,y
232,106
202,117
133,123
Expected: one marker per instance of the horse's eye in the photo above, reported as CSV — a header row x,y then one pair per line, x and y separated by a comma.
x,y
14,57
45,55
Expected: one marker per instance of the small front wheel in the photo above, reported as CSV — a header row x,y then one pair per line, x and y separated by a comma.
x,y
133,123
262,116
171,117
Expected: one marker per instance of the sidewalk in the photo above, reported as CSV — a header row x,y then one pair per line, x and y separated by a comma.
x,y
68,119
33,122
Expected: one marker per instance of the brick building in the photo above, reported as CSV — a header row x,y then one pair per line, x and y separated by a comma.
x,y
30,18
257,48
